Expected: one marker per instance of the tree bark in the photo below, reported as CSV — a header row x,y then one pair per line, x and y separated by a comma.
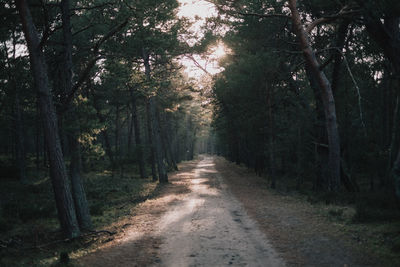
x,y
162,172
117,139
327,98
396,175
78,191
58,172
20,139
154,129
337,58
166,143
151,142
321,152
271,141
138,139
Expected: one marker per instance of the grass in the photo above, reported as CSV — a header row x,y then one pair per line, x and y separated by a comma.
x,y
28,215
371,220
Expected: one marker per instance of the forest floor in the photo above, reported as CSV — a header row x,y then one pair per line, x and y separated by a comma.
x,y
214,213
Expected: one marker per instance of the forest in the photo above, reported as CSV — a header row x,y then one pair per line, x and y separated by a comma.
x,y
97,106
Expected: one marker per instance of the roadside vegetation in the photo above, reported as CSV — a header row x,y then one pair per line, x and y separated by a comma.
x,y
29,230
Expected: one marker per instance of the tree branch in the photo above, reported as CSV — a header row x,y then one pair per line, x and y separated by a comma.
x,y
345,12
85,73
265,15
198,64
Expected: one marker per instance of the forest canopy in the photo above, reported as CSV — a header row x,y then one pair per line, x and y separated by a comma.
x,y
305,93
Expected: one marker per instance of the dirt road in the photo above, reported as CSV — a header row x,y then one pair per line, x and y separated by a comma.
x,y
210,227
194,221
215,213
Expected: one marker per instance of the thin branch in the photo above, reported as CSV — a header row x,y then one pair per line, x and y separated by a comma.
x,y
354,82
358,91
198,64
265,15
85,73
316,22
321,145
345,12
83,29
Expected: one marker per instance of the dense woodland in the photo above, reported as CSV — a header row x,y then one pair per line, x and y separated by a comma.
x,y
310,92
308,96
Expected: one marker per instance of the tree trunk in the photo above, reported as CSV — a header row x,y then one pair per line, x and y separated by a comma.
x,y
130,131
337,58
396,176
162,172
78,191
37,139
321,139
117,161
20,140
271,141
166,144
58,172
154,130
327,98
138,140
151,142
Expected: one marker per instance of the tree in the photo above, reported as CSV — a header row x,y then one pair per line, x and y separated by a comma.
x,y
328,100
58,172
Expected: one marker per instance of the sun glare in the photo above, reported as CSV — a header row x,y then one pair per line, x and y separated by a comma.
x,y
192,8
219,50
198,11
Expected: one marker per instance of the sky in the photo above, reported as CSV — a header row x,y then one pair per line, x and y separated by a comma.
x,y
202,10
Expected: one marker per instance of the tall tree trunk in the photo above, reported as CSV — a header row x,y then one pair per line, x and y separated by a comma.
x,y
117,134
162,172
151,142
327,98
165,141
321,139
396,175
20,139
271,141
138,139
337,58
153,124
37,139
58,172
78,191
130,131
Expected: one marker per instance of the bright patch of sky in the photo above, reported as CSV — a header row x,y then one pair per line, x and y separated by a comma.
x,y
199,11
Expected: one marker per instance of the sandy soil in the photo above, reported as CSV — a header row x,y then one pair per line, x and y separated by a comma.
x,y
210,227
301,235
214,213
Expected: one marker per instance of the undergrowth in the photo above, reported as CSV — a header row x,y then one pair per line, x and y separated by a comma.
x,y
28,217
370,219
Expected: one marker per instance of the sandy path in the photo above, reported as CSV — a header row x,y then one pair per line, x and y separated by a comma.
x,y
210,228
206,216
194,221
